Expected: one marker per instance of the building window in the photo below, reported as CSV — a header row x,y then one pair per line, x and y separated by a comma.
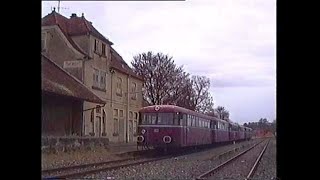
x,y
121,113
115,122
115,112
115,127
130,114
95,77
119,87
133,90
135,127
135,115
43,41
96,44
103,79
98,109
99,79
103,49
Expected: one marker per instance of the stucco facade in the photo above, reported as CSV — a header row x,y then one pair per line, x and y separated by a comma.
x,y
118,118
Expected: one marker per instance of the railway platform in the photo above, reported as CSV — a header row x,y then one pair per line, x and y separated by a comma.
x,y
120,148
123,148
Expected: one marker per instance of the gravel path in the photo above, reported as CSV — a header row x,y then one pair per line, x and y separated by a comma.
x,y
240,167
182,167
267,168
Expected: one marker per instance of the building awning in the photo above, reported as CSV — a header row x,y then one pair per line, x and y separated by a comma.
x,y
58,81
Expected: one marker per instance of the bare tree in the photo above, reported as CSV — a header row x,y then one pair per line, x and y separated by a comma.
x,y
202,100
163,79
225,115
165,83
220,110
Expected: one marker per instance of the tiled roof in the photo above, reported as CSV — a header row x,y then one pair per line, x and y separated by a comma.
x,y
118,63
81,26
57,19
58,81
74,26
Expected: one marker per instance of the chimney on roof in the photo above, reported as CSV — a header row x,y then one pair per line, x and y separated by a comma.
x,y
73,15
82,15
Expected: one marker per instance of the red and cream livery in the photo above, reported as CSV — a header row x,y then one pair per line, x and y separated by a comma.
x,y
168,126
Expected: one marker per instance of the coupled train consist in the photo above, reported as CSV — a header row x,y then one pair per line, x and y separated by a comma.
x,y
168,126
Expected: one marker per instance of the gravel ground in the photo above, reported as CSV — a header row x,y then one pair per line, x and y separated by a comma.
x,y
63,159
267,167
68,171
239,168
182,167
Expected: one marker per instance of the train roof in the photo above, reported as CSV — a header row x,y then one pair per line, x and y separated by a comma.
x,y
172,108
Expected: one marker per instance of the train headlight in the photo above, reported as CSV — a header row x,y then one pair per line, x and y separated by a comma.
x,y
143,131
140,138
167,139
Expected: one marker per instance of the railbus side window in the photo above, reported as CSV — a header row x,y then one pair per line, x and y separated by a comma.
x,y
192,122
176,118
188,121
183,118
197,121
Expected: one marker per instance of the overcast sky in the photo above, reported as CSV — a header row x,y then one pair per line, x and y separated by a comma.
x,y
233,42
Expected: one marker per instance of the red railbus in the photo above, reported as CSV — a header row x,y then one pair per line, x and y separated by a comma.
x,y
168,126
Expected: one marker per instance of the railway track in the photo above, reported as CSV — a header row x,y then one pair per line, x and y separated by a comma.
x,y
211,172
66,171
85,169
256,163
80,170
92,168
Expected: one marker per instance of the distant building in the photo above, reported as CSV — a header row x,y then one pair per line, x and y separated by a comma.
x,y
75,45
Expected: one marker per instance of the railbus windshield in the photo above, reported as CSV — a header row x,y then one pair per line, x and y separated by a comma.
x,y
160,118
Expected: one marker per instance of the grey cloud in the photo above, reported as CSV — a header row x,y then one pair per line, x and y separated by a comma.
x,y
231,42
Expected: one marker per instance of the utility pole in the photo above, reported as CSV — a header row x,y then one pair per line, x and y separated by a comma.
x,y
59,7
